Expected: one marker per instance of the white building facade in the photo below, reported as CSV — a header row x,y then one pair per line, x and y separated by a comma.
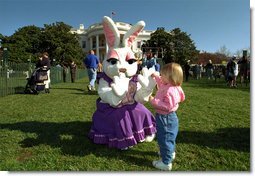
x,y
93,38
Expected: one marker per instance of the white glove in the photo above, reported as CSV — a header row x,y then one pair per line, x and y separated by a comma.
x,y
147,84
120,85
146,81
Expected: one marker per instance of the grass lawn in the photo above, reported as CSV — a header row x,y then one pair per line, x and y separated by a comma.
x,y
48,132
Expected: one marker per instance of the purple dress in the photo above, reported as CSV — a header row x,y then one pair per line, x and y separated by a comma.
x,y
123,126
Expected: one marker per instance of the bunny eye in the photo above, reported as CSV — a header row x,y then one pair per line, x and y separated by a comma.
x,y
113,61
131,61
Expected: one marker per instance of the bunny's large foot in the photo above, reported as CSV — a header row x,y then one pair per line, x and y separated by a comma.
x,y
150,138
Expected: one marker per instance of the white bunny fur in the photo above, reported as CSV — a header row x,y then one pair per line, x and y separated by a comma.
x,y
122,71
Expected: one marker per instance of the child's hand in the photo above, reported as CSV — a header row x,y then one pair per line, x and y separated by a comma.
x,y
151,98
153,75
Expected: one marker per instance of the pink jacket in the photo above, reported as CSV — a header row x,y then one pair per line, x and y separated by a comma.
x,y
167,98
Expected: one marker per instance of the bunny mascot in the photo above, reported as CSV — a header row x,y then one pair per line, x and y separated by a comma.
x,y
121,120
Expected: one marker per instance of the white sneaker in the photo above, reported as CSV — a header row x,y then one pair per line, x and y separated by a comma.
x,y
89,87
150,138
160,165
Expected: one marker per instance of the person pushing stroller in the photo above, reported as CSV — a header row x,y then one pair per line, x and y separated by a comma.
x,y
44,61
40,78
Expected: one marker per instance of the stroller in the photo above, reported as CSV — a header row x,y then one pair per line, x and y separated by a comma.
x,y
36,82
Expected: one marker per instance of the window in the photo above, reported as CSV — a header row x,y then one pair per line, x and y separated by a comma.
x,y
94,44
139,44
101,43
121,37
83,44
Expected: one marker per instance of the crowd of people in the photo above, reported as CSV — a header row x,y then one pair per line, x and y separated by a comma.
x,y
235,67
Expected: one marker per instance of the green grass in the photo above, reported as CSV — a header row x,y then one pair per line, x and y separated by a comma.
x,y
48,132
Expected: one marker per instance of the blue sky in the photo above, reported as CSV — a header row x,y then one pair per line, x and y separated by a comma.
x,y
210,23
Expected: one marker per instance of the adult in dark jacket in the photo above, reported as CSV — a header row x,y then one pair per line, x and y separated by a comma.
x,y
186,70
209,69
45,61
243,62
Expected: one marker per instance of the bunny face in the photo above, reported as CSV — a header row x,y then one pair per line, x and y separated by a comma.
x,y
120,58
120,61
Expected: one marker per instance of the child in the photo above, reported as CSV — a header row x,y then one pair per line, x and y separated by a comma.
x,y
166,103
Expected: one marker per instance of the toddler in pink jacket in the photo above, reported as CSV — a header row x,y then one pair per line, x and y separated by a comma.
x,y
166,103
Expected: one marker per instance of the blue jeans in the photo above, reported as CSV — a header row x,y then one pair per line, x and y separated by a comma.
x,y
92,73
167,130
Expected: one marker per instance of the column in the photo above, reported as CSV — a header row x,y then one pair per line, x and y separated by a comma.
x,y
97,46
91,43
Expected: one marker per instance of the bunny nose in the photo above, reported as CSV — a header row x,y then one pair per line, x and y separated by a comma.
x,y
123,70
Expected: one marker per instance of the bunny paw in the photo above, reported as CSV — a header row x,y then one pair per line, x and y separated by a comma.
x,y
145,79
120,85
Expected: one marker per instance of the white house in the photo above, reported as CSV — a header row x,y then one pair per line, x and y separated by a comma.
x,y
93,38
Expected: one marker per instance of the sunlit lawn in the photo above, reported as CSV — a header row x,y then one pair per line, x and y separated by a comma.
x,y
49,132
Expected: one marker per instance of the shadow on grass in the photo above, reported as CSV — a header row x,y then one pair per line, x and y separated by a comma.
x,y
226,138
68,88
211,84
78,91
71,138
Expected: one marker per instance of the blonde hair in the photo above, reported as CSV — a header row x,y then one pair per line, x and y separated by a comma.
x,y
173,73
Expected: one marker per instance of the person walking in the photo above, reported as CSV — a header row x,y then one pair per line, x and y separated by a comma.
x,y
91,62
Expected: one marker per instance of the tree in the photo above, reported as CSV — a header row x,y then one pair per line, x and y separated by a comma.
x,y
61,44
23,44
216,58
158,42
223,50
177,46
182,47
56,39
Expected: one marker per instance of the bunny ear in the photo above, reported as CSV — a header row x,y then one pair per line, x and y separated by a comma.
x,y
111,32
133,32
